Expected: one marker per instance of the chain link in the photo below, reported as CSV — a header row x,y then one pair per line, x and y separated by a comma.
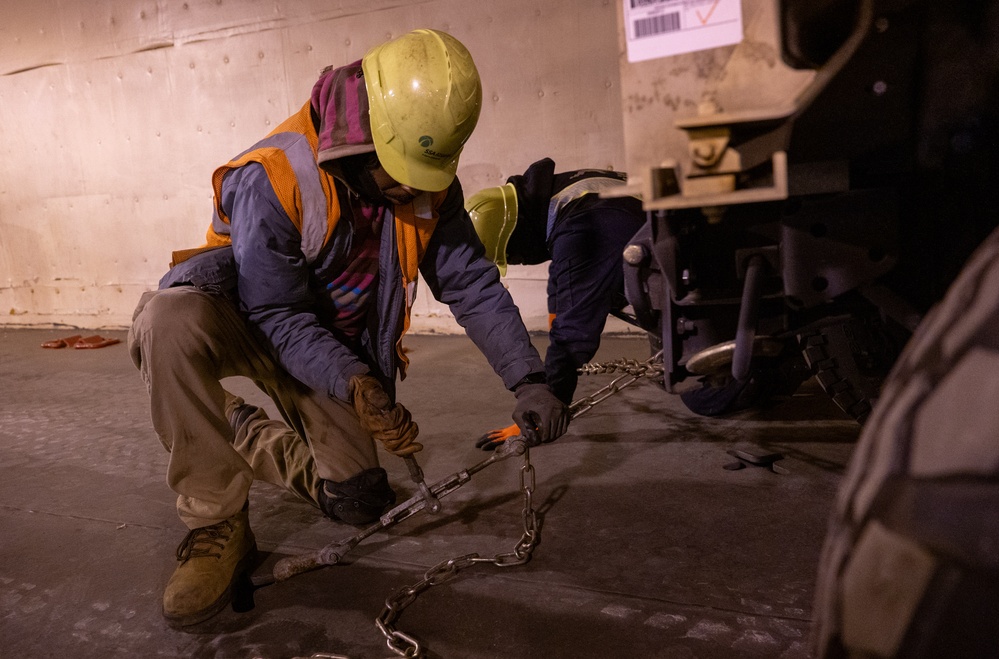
x,y
405,645
633,369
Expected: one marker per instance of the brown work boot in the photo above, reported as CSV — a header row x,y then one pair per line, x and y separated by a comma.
x,y
212,558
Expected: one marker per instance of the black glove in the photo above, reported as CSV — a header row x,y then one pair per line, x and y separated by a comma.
x,y
540,415
390,424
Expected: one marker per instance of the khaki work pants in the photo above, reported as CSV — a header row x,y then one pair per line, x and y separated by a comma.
x,y
184,341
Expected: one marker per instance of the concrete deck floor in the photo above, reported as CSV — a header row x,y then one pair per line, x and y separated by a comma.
x,y
649,547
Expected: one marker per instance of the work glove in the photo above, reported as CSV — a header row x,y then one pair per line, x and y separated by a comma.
x,y
390,424
541,416
492,439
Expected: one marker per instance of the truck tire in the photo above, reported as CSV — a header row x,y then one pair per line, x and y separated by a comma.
x,y
910,564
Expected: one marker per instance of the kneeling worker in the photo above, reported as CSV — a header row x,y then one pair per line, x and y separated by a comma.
x,y
305,287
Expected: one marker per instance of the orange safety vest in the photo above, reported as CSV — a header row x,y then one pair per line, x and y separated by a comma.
x,y
307,194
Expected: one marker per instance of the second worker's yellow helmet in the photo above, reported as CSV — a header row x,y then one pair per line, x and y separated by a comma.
x,y
494,216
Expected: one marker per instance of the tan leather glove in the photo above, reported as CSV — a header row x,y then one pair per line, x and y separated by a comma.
x,y
390,424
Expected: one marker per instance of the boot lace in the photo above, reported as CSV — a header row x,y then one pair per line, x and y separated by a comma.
x,y
207,541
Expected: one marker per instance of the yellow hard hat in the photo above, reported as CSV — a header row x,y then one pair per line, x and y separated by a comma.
x,y
494,216
424,97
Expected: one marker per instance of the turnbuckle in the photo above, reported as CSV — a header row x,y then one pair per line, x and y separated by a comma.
x,y
426,498
433,504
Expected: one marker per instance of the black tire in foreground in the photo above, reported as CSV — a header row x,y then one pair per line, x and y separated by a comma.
x,y
910,565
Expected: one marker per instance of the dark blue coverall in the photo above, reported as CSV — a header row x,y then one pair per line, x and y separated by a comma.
x,y
563,219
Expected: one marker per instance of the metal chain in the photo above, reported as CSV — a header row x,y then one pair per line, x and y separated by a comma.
x,y
633,369
405,645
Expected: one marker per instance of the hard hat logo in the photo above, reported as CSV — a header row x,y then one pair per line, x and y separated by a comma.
x,y
434,155
423,91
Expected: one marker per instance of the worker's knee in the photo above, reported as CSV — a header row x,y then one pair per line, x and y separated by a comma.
x,y
177,311
181,321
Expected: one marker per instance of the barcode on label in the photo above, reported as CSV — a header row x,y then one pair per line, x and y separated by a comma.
x,y
653,25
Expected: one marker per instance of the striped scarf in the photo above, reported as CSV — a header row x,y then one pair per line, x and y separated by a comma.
x,y
352,290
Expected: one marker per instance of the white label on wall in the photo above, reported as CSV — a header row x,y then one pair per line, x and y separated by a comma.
x,y
658,28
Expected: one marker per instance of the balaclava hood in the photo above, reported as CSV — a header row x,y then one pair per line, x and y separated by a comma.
x,y
340,102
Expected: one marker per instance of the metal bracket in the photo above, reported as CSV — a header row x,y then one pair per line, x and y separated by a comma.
x,y
659,196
